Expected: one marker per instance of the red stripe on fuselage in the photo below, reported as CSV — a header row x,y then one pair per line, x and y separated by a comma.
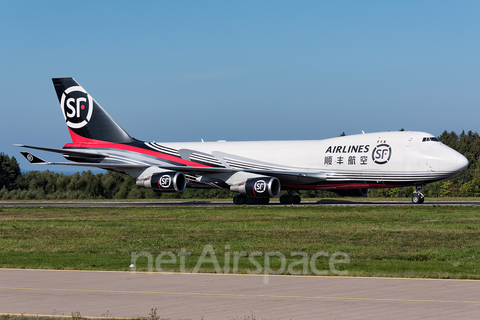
x,y
81,142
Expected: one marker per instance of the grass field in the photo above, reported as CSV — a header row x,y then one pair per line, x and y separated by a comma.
x,y
385,241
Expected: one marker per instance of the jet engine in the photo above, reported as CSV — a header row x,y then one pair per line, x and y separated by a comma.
x,y
262,187
168,181
353,192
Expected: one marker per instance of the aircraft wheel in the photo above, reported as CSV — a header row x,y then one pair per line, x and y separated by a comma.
x,y
239,199
291,199
296,199
417,199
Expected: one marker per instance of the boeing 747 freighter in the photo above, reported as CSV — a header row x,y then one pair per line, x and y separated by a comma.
x,y
257,171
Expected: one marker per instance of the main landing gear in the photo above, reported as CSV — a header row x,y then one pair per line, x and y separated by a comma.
x,y
418,197
243,199
289,198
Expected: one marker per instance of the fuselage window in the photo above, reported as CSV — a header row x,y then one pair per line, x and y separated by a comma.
x,y
430,139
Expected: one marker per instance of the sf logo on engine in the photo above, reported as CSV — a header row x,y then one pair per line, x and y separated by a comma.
x,y
77,107
165,181
260,186
382,153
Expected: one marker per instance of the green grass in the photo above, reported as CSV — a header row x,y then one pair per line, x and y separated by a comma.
x,y
386,241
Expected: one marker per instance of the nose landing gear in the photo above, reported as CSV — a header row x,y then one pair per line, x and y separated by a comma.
x,y
418,197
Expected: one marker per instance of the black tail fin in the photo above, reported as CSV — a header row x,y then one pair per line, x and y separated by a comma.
x,y
85,118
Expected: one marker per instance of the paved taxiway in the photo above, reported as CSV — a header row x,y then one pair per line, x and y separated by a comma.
x,y
215,296
226,204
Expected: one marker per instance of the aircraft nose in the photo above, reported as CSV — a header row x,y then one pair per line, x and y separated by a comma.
x,y
448,159
462,162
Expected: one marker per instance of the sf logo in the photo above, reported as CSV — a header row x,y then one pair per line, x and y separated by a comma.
x,y
75,112
382,153
165,181
260,186
77,107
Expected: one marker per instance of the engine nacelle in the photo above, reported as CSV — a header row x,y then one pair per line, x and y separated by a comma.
x,y
263,187
353,192
168,181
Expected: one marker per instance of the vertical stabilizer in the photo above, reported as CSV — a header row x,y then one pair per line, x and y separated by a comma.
x,y
85,118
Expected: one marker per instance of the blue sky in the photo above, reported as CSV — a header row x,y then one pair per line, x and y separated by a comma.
x,y
241,70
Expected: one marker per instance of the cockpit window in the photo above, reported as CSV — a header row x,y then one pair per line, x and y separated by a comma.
x,y
430,139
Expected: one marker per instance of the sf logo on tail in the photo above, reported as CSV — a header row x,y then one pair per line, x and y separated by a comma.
x,y
77,107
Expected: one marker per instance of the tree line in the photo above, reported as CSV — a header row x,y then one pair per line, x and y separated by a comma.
x,y
39,185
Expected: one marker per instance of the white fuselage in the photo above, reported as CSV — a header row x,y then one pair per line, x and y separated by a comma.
x,y
374,160
377,158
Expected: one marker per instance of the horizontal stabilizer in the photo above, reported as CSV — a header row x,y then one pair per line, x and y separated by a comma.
x,y
67,152
33,159
107,166
110,166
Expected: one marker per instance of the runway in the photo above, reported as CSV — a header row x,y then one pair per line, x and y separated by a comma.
x,y
200,203
215,296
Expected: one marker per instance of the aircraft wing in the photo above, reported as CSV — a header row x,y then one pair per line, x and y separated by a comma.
x,y
284,176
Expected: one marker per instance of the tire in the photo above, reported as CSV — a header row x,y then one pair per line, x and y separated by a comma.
x,y
291,199
239,199
296,199
416,199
